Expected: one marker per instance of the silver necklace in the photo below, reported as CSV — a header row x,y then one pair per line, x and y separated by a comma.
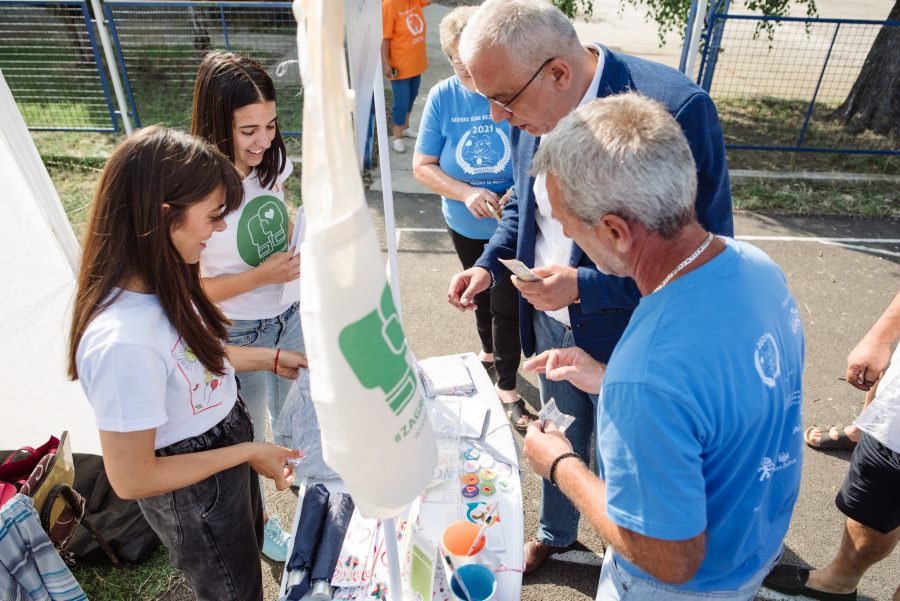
x,y
686,262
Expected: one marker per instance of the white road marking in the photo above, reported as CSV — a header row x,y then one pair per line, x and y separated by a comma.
x,y
587,558
820,239
839,242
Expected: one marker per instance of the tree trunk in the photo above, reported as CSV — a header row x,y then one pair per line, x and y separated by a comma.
x,y
874,101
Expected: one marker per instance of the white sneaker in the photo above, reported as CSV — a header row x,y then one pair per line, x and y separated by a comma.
x,y
398,146
410,133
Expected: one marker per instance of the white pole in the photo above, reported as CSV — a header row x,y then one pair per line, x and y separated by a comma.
x,y
387,190
699,21
113,65
393,555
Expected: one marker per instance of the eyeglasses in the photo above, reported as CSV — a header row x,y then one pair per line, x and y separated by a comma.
x,y
504,105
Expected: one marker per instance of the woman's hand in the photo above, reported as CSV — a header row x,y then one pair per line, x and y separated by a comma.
x,y
477,202
279,268
289,363
271,461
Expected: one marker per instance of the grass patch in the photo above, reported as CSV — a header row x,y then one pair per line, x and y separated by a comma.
x,y
134,583
858,199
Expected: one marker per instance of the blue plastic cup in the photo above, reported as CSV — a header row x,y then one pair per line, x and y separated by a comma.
x,y
480,582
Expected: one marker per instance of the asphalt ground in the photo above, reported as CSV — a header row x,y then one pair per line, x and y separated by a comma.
x,y
840,292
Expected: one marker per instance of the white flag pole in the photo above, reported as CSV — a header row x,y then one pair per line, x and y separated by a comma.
x,y
387,190
393,556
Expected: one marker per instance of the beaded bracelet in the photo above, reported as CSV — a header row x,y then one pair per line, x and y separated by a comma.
x,y
556,461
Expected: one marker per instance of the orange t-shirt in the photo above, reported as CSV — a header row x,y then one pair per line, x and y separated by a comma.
x,y
404,25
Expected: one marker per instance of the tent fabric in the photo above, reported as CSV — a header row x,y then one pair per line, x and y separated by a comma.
x,y
38,265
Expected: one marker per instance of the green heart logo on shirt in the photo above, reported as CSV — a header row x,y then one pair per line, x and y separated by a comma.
x,y
262,230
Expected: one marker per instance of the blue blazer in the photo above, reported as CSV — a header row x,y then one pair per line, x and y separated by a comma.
x,y
607,302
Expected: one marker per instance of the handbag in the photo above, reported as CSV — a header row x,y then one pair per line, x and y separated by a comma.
x,y
46,474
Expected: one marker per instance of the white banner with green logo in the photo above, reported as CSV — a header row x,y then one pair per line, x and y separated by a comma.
x,y
375,430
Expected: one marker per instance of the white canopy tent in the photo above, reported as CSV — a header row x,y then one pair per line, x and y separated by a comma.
x,y
38,266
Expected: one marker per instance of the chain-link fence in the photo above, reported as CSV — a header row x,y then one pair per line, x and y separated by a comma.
x,y
803,84
160,45
49,59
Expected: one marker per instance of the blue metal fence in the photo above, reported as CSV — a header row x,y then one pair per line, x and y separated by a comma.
x,y
778,82
159,45
49,59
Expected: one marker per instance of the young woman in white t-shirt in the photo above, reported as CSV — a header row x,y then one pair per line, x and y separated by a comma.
x,y
147,346
245,267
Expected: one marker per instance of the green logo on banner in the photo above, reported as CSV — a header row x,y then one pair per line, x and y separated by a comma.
x,y
376,351
262,230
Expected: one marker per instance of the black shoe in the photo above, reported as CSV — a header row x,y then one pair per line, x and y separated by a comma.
x,y
791,580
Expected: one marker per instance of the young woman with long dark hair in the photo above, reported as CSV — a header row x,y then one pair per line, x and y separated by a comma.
x,y
147,345
244,267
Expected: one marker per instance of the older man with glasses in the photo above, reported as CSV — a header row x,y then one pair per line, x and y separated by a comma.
x,y
525,57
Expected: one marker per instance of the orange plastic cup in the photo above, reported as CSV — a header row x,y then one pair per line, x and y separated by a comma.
x,y
458,538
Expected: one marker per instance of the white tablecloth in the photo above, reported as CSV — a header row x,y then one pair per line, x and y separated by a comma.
x,y
497,440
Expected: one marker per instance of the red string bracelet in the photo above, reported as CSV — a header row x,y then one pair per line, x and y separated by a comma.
x,y
275,368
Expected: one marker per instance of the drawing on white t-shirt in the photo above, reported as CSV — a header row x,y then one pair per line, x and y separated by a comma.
x,y
766,359
262,229
478,151
414,23
203,385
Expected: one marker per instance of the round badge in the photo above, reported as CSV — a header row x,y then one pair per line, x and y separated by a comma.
x,y
485,460
470,479
503,469
506,484
470,492
487,489
487,474
472,454
470,466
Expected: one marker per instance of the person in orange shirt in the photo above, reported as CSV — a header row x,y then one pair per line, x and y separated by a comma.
x,y
404,58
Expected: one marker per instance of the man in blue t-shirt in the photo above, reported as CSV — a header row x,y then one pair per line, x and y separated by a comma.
x,y
699,415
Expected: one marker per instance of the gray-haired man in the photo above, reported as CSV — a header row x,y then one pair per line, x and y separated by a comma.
x,y
690,500
525,57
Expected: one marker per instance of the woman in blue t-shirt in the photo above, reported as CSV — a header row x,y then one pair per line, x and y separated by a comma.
x,y
466,158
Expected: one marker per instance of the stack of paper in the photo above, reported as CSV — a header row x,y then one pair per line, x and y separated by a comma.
x,y
446,375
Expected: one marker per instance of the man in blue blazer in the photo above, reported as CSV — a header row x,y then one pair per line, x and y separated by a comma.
x,y
525,57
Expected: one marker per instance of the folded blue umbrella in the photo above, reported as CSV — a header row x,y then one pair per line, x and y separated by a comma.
x,y
340,510
306,542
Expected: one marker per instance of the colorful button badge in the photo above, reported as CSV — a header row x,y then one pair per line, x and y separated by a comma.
x,y
470,479
485,460
470,492
506,485
487,474
487,489
472,454
470,466
503,470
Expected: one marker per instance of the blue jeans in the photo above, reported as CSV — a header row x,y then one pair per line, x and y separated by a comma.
x,y
405,92
263,389
617,584
558,517
213,528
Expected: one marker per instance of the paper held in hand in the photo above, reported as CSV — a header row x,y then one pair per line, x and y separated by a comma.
x,y
550,412
521,271
290,292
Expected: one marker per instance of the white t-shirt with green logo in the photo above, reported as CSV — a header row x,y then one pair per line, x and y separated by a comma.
x,y
257,230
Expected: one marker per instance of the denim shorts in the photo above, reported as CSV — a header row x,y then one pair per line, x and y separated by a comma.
x,y
263,390
213,529
617,584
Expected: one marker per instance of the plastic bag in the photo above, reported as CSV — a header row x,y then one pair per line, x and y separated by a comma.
x,y
298,425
